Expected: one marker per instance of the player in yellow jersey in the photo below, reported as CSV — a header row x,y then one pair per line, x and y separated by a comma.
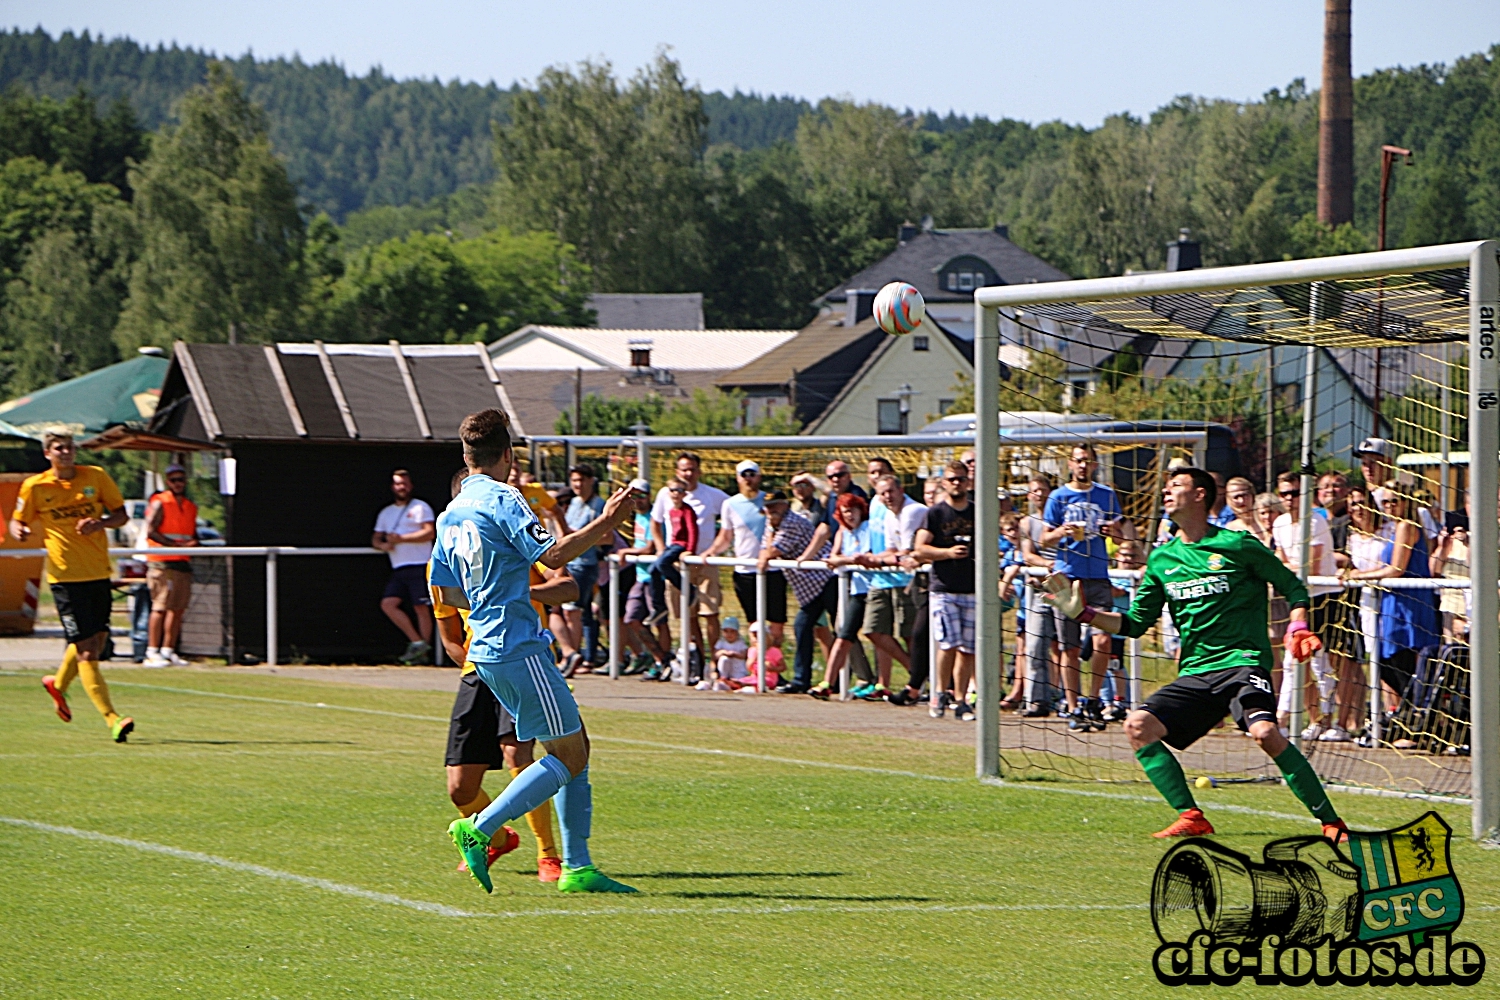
x,y
481,733
75,505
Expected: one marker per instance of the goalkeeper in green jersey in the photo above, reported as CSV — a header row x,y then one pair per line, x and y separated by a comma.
x,y
1214,580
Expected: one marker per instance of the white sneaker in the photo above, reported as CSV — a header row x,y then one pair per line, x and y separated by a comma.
x,y
171,657
1336,735
1313,731
703,686
722,686
155,660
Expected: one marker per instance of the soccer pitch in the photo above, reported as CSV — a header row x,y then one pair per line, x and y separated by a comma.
x,y
264,837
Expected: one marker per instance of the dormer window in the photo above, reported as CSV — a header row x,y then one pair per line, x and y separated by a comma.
x,y
640,353
964,274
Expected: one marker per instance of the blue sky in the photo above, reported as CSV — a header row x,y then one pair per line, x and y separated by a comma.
x,y
1069,59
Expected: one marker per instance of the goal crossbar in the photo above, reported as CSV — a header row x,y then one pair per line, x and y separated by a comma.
x,y
1482,261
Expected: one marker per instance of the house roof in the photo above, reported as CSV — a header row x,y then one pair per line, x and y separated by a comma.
x,y
919,260
555,348
316,391
124,393
645,311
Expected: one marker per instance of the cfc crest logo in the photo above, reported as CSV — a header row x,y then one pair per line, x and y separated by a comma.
x,y
1381,910
1215,561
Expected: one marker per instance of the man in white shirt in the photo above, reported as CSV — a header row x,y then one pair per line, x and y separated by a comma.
x,y
889,611
742,523
706,501
405,531
1323,613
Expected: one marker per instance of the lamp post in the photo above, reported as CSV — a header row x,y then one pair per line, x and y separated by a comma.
x,y
1388,160
903,396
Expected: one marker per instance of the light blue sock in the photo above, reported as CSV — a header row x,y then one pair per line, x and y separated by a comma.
x,y
575,814
527,790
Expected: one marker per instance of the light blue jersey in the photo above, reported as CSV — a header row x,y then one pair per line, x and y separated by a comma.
x,y
487,540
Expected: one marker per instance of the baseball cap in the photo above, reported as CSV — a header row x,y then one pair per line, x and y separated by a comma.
x,y
746,466
1376,446
174,467
776,496
730,621
640,486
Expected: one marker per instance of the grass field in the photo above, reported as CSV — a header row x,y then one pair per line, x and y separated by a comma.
x,y
770,864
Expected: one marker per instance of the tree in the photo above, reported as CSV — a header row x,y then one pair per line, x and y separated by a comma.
x,y
527,278
221,237
611,416
36,198
71,134
1441,212
615,172
58,315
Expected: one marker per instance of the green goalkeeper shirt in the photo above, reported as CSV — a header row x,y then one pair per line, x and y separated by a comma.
x,y
1216,589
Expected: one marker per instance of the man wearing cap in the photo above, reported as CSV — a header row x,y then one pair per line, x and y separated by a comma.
x,y
1377,461
743,524
171,522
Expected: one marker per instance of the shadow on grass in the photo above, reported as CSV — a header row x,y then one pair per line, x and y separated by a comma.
x,y
253,743
677,875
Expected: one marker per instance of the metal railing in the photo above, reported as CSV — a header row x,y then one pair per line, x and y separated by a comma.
x,y
271,553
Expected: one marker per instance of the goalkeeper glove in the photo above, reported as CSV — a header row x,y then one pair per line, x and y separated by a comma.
x,y
1301,641
1066,596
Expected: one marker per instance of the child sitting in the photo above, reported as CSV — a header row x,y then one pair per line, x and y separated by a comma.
x,y
682,536
775,663
729,658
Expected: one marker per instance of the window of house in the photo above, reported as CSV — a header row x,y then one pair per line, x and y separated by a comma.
x,y
1080,388
888,417
965,280
952,281
945,406
919,344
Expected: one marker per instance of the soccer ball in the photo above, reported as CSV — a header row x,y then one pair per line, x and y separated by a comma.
x,y
899,308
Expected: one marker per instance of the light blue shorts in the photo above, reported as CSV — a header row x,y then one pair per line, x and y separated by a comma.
x,y
536,696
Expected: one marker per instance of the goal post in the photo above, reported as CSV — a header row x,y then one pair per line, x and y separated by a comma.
x,y
1394,298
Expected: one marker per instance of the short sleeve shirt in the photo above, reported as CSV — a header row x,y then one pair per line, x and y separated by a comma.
x,y
487,540
951,527
854,543
891,532
706,502
1088,559
791,540
746,518
60,504
1288,537
403,519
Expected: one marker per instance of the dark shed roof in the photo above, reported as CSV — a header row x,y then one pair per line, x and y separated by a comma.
x,y
326,392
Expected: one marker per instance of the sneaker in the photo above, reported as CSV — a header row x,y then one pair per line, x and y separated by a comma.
x,y
571,664
174,659
791,687
1337,831
59,700
1112,713
1190,824
472,844
819,691
548,869
703,686
494,851
881,693
1036,710
122,729
639,664
1093,709
415,653
963,712
1313,731
862,690
155,660
1336,734
589,879
1078,722
653,673
904,697
939,708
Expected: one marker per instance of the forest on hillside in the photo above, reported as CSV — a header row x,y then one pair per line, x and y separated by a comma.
x,y
152,195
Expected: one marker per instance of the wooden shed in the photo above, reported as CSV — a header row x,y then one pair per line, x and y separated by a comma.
x,y
311,433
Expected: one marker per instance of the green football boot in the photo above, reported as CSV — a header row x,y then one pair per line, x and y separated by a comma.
x,y
590,879
473,844
121,730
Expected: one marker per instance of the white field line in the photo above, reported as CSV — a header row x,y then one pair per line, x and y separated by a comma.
x,y
441,910
1029,786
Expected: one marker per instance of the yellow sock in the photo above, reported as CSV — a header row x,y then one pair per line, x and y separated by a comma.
x,y
68,670
480,801
540,821
93,683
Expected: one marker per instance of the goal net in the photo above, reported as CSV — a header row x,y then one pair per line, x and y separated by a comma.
x,y
1332,399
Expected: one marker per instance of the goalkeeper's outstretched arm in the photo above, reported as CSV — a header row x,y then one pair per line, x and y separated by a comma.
x,y
1067,596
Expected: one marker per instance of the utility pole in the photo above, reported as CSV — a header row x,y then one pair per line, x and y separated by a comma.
x,y
1336,119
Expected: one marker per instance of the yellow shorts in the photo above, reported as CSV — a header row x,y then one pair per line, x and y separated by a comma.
x,y
706,580
171,587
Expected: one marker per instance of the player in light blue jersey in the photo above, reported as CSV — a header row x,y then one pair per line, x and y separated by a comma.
x,y
487,540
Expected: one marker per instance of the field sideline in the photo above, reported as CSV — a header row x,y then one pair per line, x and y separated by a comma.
x,y
249,843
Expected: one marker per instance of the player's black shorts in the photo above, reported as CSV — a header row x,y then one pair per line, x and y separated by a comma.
x,y
410,584
744,589
83,607
1194,703
479,720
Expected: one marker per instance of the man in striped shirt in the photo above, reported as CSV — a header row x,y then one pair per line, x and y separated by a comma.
x,y
787,536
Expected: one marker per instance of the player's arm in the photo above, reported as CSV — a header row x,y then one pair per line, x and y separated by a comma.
x,y
1300,640
451,632
25,513
111,519
559,588
617,509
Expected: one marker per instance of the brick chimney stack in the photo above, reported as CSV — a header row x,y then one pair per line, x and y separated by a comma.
x,y
1336,119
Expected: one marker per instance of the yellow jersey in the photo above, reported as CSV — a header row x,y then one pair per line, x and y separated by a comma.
x,y
441,610
60,504
538,498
